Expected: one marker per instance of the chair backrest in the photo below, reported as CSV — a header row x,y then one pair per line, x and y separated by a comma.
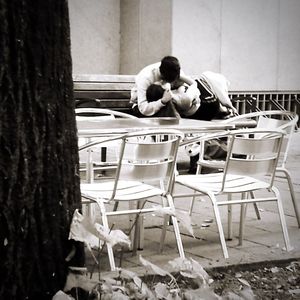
x,y
146,156
274,119
253,152
287,123
96,115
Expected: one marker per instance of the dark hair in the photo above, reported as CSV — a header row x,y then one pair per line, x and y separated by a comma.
x,y
154,92
169,68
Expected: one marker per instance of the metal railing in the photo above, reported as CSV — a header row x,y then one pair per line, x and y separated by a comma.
x,y
245,101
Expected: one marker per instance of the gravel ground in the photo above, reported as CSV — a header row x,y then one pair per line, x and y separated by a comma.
x,y
266,280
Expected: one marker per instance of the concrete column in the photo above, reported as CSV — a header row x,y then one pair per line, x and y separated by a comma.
x,y
95,37
146,33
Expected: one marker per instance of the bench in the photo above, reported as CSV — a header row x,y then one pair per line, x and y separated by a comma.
x,y
113,92
103,91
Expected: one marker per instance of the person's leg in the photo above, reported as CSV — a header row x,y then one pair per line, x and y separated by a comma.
x,y
207,111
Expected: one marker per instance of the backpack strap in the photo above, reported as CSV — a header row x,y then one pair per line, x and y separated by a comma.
x,y
206,94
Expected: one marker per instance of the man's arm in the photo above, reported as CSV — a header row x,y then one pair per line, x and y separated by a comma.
x,y
150,108
187,79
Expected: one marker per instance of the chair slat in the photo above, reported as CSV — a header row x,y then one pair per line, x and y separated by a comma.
x,y
270,123
251,167
255,146
250,156
147,158
147,150
145,172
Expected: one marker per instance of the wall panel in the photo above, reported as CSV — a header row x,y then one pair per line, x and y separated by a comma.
x,y
145,33
249,43
197,34
289,45
95,36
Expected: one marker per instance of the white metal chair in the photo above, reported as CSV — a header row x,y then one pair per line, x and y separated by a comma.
x,y
88,113
274,119
252,154
144,161
94,160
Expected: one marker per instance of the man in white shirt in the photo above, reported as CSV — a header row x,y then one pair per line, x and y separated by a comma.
x,y
166,71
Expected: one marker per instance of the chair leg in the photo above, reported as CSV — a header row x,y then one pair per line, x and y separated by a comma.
x,y
167,221
163,234
137,227
198,171
106,226
136,236
89,168
292,192
176,227
132,229
255,206
257,211
219,224
242,222
140,226
282,220
116,205
229,218
192,205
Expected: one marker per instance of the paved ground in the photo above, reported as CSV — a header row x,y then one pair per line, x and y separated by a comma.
x,y
263,238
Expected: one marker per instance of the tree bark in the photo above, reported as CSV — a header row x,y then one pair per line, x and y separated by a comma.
x,y
39,174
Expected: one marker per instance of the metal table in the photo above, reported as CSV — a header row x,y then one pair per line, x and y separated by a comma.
x,y
121,126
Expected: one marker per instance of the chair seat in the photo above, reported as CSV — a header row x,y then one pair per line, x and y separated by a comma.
x,y
213,183
126,191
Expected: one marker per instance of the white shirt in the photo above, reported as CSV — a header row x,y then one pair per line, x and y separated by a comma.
x,y
143,80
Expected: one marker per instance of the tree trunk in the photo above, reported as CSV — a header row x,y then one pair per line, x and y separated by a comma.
x,y
39,181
